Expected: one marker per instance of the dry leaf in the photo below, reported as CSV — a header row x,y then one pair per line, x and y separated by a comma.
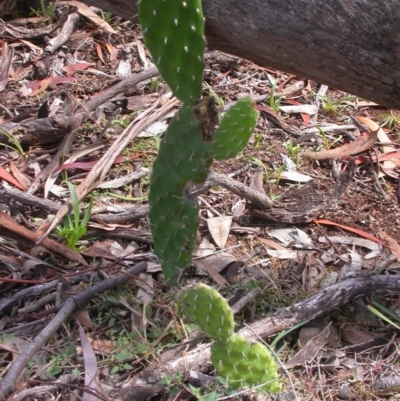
x,y
145,293
313,346
84,10
219,229
102,346
92,381
22,178
270,243
359,145
214,274
382,137
393,244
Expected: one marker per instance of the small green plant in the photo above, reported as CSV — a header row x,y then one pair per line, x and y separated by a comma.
x,y
74,228
213,395
242,363
381,311
106,16
327,143
62,360
16,144
293,151
389,120
274,101
46,10
333,106
121,121
155,83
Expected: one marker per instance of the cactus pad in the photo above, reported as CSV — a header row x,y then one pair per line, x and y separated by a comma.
x,y
245,364
208,309
235,130
182,159
173,31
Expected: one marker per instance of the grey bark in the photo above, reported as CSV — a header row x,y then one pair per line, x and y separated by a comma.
x,y
351,45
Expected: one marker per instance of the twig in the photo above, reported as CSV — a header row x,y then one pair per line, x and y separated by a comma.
x,y
258,199
71,304
245,300
376,179
62,151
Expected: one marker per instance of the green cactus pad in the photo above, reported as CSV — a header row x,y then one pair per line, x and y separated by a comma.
x,y
235,130
182,159
244,364
208,309
173,31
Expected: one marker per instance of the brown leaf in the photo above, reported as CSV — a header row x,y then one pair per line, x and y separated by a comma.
x,y
22,178
92,381
84,10
309,352
359,145
393,244
353,335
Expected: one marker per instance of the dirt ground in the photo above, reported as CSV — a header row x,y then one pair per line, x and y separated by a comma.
x,y
310,268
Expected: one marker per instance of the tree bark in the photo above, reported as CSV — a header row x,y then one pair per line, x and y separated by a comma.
x,y
351,45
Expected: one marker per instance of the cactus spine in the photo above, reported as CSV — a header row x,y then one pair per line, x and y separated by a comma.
x,y
243,364
174,33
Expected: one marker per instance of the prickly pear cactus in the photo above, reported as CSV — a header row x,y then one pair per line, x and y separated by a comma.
x,y
208,309
174,33
234,131
244,364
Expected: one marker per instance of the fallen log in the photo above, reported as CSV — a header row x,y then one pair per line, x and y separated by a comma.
x,y
351,45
